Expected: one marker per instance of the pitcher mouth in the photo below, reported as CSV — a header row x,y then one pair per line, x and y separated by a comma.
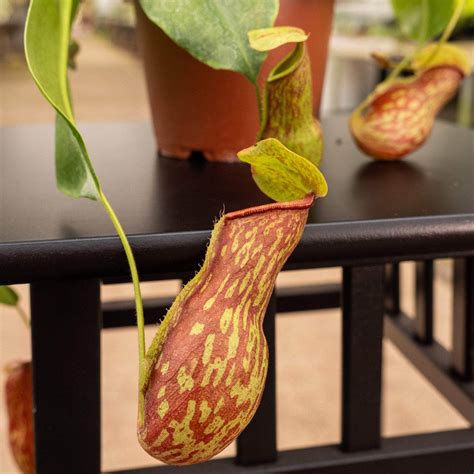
x,y
304,203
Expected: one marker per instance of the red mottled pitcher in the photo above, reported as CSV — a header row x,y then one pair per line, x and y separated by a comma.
x,y
397,118
208,363
19,400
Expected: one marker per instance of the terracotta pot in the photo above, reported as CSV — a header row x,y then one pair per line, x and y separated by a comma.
x,y
195,107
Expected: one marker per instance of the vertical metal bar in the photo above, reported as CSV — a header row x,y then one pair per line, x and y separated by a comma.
x,y
257,444
463,318
65,317
392,288
362,332
424,302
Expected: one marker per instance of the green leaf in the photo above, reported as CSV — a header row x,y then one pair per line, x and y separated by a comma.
x,y
266,39
423,19
282,174
468,10
47,39
8,296
215,31
47,51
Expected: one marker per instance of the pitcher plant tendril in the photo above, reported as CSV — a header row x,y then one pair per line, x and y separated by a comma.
x,y
75,173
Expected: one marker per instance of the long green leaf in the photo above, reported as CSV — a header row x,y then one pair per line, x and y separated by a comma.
x,y
47,40
47,34
422,20
8,296
215,31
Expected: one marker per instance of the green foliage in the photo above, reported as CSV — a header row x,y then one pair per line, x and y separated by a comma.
x,y
47,37
215,31
8,296
422,20
282,174
47,50
468,11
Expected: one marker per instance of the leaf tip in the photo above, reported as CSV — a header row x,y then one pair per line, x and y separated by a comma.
x,y
266,39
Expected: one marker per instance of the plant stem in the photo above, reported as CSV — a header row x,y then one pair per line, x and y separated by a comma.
x,y
260,107
444,37
448,31
400,67
259,102
136,285
407,60
390,78
452,22
23,315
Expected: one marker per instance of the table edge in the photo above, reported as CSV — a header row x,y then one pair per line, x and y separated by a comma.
x,y
322,245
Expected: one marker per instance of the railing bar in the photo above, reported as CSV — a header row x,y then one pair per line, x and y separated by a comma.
x,y
463,318
362,332
424,301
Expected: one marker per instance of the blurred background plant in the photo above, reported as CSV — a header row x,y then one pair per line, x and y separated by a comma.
x,y
360,27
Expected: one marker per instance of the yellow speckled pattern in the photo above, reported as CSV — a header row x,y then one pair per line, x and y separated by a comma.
x,y
209,360
288,106
396,121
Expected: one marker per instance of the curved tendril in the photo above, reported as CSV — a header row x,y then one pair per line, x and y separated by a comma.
x,y
444,37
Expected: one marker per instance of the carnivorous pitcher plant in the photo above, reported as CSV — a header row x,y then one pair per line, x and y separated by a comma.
x,y
201,379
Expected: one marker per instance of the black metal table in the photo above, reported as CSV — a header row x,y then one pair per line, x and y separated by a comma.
x,y
376,215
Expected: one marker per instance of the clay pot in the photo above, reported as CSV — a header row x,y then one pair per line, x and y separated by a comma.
x,y
197,108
